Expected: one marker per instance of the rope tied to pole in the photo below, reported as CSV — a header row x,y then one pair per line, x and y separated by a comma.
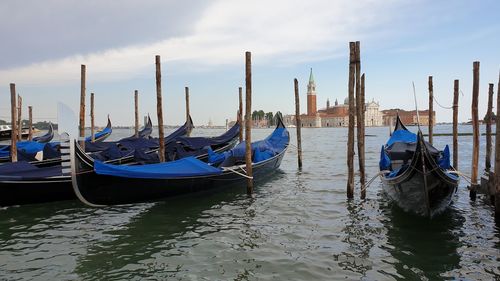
x,y
440,105
379,174
238,173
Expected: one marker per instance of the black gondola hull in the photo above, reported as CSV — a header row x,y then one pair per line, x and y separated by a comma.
x,y
109,190
21,192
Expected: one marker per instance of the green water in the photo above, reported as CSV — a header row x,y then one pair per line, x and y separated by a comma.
x,y
297,226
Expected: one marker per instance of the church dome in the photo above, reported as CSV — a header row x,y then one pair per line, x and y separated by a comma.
x,y
346,101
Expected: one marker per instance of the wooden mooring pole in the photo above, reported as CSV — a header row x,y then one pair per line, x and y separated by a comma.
x,y
455,123
240,113
489,147
159,111
496,178
248,121
30,123
19,118
186,89
92,120
136,110
361,138
475,126
431,110
82,106
13,122
350,135
298,123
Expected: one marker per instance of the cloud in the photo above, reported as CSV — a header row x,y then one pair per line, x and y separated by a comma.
x,y
277,32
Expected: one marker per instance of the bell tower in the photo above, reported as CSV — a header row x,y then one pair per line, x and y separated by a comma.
x,y
311,96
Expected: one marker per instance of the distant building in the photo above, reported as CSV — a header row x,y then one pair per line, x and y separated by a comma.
x,y
337,115
407,117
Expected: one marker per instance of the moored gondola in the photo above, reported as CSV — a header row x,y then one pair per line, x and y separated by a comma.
x,y
417,176
102,134
97,184
47,137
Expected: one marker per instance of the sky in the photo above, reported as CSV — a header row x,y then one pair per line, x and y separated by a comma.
x,y
202,45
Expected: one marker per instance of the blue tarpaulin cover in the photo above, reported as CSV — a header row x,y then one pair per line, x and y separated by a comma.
x,y
402,136
444,160
261,150
185,167
99,134
27,147
24,170
385,161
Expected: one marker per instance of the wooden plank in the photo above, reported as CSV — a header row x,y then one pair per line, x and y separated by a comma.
x,y
496,177
475,125
298,123
13,122
352,110
489,147
455,123
240,112
136,115
159,110
187,109
19,118
92,120
82,105
248,121
30,123
431,110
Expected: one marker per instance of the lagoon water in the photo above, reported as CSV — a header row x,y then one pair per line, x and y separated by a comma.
x,y
297,226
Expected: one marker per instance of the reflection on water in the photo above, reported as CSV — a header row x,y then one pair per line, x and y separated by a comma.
x,y
297,226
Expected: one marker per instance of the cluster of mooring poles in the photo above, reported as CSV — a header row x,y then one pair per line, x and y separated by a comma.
x,y
490,181
356,88
16,105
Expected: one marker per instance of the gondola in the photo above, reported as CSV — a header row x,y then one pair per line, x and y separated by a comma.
x,y
47,137
6,132
102,134
415,175
27,182
98,184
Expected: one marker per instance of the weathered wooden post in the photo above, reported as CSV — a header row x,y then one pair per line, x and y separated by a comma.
x,y
92,120
188,113
240,112
350,135
248,121
159,111
489,147
82,105
455,123
13,122
136,110
496,179
361,137
30,123
475,126
19,118
298,123
431,110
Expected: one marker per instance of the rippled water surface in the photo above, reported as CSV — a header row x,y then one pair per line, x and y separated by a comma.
x,y
297,226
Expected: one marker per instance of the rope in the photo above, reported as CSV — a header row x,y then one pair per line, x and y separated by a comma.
x,y
464,176
433,97
238,173
363,188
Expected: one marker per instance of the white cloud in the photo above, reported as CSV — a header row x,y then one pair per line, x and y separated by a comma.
x,y
272,30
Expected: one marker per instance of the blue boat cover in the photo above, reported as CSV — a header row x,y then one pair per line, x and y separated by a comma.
x,y
385,161
25,170
186,167
261,150
105,131
444,160
26,147
402,136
